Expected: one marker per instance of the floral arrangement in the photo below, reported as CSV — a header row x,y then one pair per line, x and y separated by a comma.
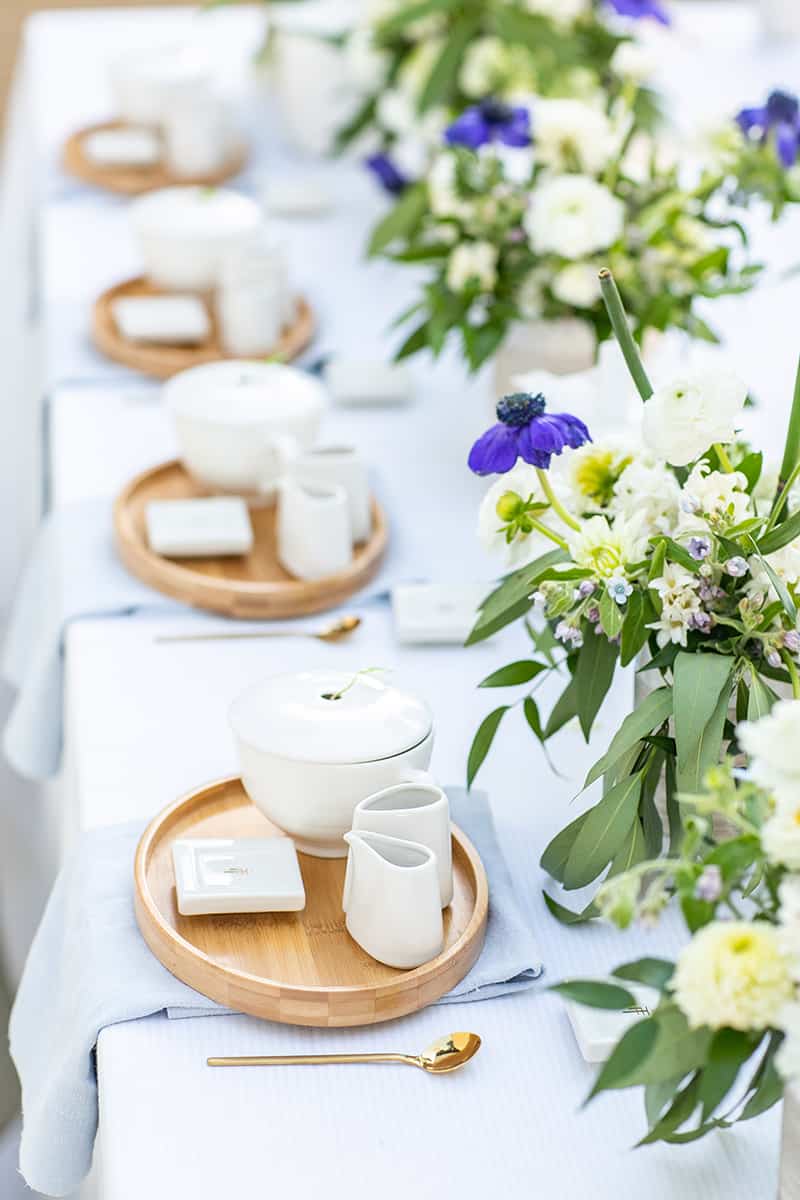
x,y
675,544
418,64
759,152
724,1036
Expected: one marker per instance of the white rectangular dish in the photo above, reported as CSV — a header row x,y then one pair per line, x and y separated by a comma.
x,y
436,613
200,528
237,875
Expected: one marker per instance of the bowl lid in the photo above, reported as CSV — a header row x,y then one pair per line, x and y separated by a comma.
x,y
332,717
245,393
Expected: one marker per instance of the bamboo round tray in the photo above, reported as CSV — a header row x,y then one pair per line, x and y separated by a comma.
x,y
297,968
135,181
164,361
250,586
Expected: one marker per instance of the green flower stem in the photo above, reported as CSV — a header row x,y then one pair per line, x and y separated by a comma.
x,y
540,527
622,332
555,503
791,452
722,455
791,667
780,499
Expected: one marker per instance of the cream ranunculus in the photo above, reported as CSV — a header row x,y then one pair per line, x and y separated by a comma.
x,y
571,135
471,263
578,285
733,974
771,745
684,418
574,216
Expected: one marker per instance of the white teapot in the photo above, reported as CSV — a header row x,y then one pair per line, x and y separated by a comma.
x,y
313,744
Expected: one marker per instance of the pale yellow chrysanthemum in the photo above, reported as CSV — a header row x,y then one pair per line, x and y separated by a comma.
x,y
605,548
733,974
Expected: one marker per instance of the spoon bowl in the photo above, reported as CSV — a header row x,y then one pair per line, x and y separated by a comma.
x,y
450,1053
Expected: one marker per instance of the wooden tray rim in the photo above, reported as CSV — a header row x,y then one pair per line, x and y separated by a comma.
x,y
406,980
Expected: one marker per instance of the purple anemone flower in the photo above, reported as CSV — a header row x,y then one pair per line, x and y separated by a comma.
x,y
390,177
781,115
641,8
490,121
524,430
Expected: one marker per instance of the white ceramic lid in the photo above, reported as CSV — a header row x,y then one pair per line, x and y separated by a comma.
x,y
245,393
292,716
195,211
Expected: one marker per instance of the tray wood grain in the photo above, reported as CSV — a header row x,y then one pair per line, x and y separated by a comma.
x,y
164,361
296,968
251,586
135,181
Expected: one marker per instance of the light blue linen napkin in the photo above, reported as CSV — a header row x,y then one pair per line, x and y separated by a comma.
x,y
89,967
73,573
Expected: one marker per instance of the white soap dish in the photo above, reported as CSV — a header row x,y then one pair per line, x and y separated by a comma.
x,y
436,612
164,320
206,527
597,1030
122,148
367,382
237,875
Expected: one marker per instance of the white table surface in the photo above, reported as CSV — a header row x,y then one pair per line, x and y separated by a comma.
x,y
146,721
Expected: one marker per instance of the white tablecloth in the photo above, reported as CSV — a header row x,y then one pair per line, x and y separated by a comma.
x,y
146,721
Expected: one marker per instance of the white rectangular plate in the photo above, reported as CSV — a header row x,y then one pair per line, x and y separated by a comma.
x,y
597,1030
436,612
201,528
122,148
237,875
166,320
368,382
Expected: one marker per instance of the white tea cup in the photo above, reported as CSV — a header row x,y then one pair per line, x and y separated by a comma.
x,y
417,812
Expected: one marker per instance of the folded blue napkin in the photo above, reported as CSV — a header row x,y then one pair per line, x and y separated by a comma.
x,y
89,967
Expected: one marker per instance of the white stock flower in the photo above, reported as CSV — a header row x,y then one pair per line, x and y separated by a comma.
x,y
685,417
631,60
485,64
574,216
677,590
771,744
577,284
570,134
605,547
523,480
733,974
443,191
470,263
648,489
715,495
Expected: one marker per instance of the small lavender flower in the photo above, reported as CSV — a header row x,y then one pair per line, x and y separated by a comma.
x,y
586,587
737,566
701,621
709,885
700,547
774,658
390,177
490,121
619,589
791,640
569,634
524,430
593,614
689,504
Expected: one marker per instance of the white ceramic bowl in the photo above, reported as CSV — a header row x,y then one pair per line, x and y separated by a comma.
x,y
185,234
230,418
307,759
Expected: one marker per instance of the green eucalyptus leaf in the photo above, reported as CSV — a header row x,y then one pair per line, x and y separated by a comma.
x,y
603,833
512,598
639,612
564,709
781,535
565,915
596,662
652,972
611,615
627,1058
400,220
481,743
442,79
678,1113
557,851
729,1051
751,466
760,697
531,710
767,1085
595,994
514,674
700,696
649,715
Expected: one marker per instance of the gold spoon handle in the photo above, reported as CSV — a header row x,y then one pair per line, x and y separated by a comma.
x,y
290,1060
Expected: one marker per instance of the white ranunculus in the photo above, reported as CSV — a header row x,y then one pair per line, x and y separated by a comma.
x,y
367,66
485,63
771,743
632,60
573,216
733,974
523,480
780,833
472,262
685,417
578,285
570,133
648,488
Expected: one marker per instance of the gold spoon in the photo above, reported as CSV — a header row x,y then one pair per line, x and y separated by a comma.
x,y
329,633
447,1054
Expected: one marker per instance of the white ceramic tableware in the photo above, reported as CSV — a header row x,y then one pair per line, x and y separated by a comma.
x,y
122,147
436,613
170,320
312,91
416,812
367,382
197,133
598,1030
337,466
231,419
186,233
311,745
199,528
250,318
315,534
141,79
391,899
237,875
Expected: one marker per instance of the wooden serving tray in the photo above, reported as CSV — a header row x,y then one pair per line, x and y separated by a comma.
x,y
297,968
253,585
135,181
164,361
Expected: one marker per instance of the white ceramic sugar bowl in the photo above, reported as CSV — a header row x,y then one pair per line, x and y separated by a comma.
x,y
313,744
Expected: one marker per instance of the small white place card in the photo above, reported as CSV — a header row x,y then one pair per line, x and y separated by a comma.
x,y
167,320
354,381
436,612
202,528
237,875
597,1030
122,148
296,196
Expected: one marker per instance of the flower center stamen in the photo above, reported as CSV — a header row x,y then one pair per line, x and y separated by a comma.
x,y
520,408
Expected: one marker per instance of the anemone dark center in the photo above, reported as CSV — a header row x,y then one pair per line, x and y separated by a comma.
x,y
520,408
